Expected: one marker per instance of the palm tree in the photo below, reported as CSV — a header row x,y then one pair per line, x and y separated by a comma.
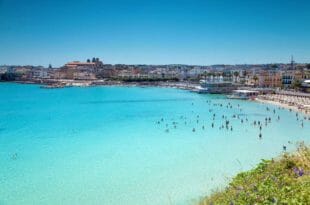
x,y
236,74
255,78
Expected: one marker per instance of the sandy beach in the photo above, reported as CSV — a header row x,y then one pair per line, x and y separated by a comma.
x,y
295,103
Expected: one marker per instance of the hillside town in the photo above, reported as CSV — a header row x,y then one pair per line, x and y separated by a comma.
x,y
95,72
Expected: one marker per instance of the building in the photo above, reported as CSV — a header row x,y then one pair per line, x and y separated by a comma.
x,y
82,70
216,85
79,65
287,79
305,86
269,79
83,76
291,76
40,73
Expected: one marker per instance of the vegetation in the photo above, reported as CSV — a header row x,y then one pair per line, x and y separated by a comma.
x,y
9,76
255,78
296,84
282,181
236,73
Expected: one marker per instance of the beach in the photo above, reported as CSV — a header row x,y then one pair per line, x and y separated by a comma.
x,y
290,102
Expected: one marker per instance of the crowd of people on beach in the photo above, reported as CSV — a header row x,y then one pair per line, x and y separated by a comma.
x,y
300,103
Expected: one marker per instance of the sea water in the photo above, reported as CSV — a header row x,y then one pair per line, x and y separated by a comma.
x,y
131,145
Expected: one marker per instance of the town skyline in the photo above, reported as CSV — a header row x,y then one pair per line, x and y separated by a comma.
x,y
155,64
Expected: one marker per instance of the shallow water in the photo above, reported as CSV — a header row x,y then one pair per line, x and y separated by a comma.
x,y
103,145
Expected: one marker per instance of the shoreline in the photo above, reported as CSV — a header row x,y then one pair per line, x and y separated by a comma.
x,y
283,105
177,85
81,83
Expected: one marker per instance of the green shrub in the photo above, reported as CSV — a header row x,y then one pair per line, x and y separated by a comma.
x,y
285,180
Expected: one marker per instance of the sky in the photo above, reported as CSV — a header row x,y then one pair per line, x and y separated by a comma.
x,y
199,32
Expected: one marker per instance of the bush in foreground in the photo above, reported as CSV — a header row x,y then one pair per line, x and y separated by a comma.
x,y
282,181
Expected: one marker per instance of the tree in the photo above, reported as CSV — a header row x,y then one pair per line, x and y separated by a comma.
x,y
274,66
93,60
205,74
50,66
88,61
245,73
296,84
255,78
308,66
8,76
236,75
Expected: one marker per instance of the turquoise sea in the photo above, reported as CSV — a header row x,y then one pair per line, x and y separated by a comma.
x,y
133,146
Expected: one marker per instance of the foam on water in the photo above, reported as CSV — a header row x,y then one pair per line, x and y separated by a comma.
x,y
103,145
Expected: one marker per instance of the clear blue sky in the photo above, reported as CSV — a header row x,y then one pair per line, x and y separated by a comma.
x,y
154,31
